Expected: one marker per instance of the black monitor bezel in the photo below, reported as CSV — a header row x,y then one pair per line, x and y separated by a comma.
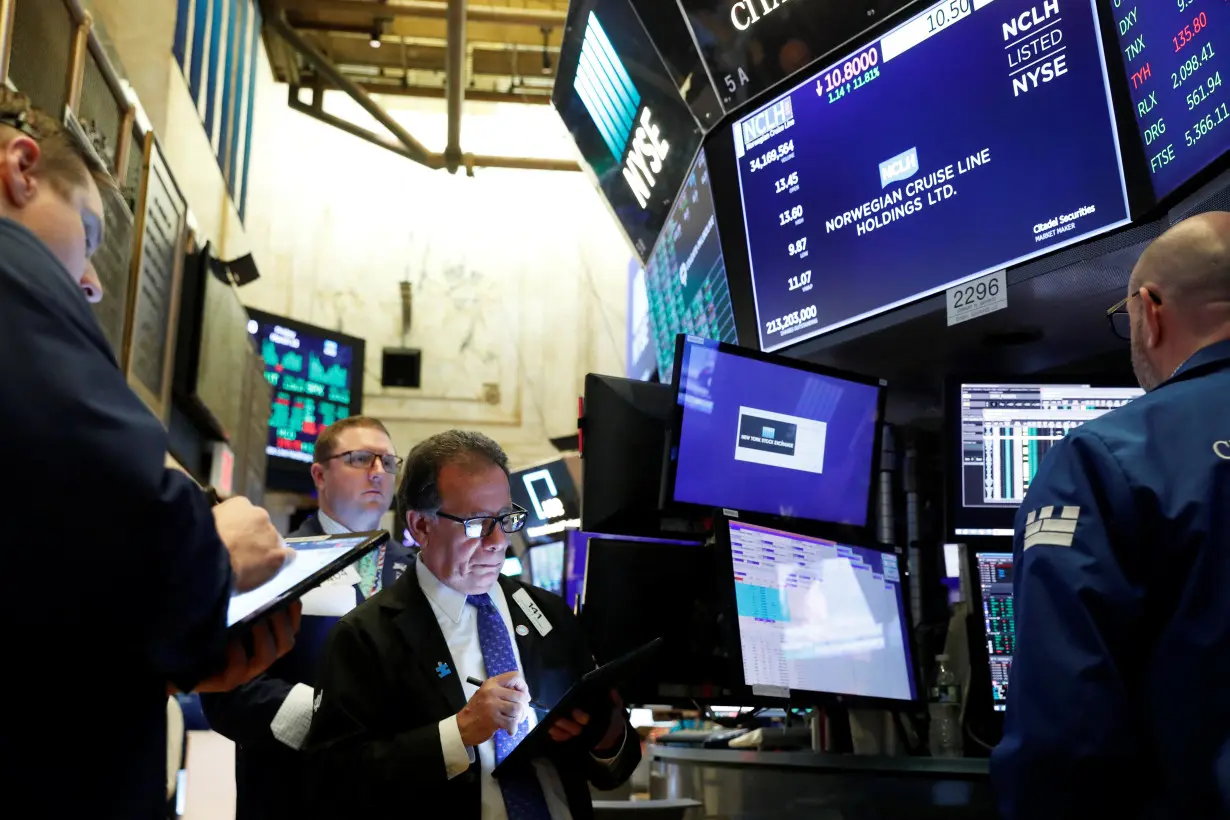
x,y
850,531
812,530
952,442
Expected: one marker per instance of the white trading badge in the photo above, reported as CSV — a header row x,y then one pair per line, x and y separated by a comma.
x,y
532,612
1051,527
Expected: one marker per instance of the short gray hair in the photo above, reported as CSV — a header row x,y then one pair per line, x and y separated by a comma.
x,y
420,482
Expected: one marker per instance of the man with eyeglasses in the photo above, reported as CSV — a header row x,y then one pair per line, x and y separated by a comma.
x,y
1122,570
398,725
143,600
354,468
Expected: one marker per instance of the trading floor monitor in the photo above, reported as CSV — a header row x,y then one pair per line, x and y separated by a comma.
x,y
999,433
547,566
999,617
820,618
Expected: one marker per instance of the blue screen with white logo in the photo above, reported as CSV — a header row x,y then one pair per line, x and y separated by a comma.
x,y
633,130
974,136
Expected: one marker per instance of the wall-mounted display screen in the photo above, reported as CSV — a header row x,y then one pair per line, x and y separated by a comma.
x,y
549,495
633,130
317,378
750,45
547,566
763,434
947,149
685,277
1176,55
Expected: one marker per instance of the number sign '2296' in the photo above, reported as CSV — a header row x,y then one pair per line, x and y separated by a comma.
x,y
977,298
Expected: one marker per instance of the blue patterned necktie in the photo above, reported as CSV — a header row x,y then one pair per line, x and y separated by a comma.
x,y
523,797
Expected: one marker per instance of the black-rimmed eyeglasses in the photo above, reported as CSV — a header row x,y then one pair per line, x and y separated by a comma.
x,y
1119,318
480,526
364,459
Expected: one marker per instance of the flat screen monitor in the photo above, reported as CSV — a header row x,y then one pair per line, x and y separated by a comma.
x,y
820,616
1176,56
999,619
765,434
1002,431
640,590
685,278
512,567
549,496
634,132
624,439
317,378
547,566
946,150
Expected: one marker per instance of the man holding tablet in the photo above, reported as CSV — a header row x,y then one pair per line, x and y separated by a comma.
x,y
355,469
396,718
94,632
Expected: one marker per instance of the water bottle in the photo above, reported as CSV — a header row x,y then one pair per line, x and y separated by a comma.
x,y
945,709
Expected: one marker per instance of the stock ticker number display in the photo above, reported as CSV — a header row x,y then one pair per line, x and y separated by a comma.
x,y
1176,57
946,150
312,381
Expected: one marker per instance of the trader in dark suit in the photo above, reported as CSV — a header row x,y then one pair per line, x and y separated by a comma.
x,y
354,469
90,647
397,725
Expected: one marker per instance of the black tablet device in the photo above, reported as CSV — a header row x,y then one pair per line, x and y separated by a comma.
x,y
595,686
317,558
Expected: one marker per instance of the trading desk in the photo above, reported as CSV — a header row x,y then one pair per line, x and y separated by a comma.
x,y
744,785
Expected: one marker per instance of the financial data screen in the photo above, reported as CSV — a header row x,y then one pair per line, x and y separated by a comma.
x,y
315,379
975,136
995,583
1176,54
1006,431
819,616
547,566
685,278
763,437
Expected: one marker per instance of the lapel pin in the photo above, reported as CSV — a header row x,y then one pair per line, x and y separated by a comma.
x,y
523,630
443,671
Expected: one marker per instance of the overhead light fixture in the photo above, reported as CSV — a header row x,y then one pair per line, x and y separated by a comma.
x,y
377,33
546,54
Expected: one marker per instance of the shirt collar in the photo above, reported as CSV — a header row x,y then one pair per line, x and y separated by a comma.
x,y
451,602
330,526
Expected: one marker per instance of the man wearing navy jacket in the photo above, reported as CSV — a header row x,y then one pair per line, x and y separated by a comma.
x,y
355,469
117,575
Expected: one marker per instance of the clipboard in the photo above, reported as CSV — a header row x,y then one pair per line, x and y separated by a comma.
x,y
592,689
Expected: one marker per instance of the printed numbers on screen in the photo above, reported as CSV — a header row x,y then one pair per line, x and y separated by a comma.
x,y
737,80
975,293
1193,64
855,67
792,215
786,183
1190,31
1201,129
1203,92
781,152
802,281
1184,5
948,14
799,247
792,319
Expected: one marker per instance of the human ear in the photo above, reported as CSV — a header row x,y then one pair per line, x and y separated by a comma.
x,y
20,157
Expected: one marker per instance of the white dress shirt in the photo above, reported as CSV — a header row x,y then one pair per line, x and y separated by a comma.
x,y
459,623
334,598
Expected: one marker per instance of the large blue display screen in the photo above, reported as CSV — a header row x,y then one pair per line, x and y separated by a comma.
x,y
975,136
757,436
1174,53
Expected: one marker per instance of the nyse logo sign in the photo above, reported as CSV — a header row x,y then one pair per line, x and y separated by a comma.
x,y
614,104
747,13
546,503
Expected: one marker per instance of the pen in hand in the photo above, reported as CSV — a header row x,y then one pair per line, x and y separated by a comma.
x,y
473,681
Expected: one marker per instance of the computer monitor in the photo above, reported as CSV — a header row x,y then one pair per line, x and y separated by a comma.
x,y
512,567
547,566
638,590
999,619
624,437
820,618
999,432
765,434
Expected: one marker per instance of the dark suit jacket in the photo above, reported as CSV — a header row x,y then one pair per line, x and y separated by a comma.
x,y
144,597
268,773
374,750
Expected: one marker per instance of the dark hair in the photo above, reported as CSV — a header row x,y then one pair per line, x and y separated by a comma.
x,y
420,488
326,442
65,160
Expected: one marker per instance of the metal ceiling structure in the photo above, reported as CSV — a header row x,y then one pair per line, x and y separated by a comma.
x,y
418,48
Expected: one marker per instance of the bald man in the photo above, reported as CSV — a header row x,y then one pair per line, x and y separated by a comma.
x,y
1121,673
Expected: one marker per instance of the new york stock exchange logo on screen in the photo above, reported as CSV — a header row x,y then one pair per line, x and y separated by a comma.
x,y
626,124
